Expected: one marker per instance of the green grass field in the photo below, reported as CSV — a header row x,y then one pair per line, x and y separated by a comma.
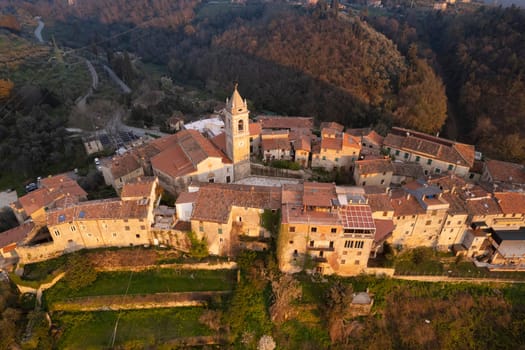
x,y
137,329
149,281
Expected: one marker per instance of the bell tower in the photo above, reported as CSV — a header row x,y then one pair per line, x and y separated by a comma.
x,y
237,129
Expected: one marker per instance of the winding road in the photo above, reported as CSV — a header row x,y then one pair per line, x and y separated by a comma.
x,y
38,30
81,102
125,89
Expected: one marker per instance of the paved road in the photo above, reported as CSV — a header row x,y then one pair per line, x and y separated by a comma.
x,y
38,30
125,89
81,102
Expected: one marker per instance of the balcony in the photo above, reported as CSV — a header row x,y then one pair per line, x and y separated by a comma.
x,y
321,249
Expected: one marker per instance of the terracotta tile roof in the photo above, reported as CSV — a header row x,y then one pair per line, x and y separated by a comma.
x,y
276,143
124,165
369,135
374,166
292,193
138,188
383,229
405,205
182,225
16,235
165,142
317,194
278,122
430,146
506,172
182,157
332,125
303,144
374,137
477,167
329,143
101,209
379,202
187,197
220,141
255,128
413,170
447,182
52,190
477,201
214,201
457,205
511,202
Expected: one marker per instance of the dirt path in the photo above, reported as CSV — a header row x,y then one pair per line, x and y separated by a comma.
x,y
125,89
455,279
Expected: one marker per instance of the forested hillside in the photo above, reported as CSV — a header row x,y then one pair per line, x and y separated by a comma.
x,y
312,63
480,55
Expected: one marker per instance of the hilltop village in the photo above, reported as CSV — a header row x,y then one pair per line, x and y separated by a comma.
x,y
411,190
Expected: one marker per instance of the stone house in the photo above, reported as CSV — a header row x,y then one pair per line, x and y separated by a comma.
x,y
121,169
371,141
324,229
54,191
373,172
191,158
275,145
436,155
503,175
232,220
336,150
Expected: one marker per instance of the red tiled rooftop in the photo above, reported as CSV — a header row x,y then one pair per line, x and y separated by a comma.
x,y
16,234
255,128
511,202
317,194
102,209
276,143
139,187
374,166
187,197
383,229
214,201
505,171
278,122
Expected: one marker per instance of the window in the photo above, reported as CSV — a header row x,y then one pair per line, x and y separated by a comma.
x,y
57,233
240,125
437,170
450,167
72,228
291,242
349,244
137,235
331,244
239,218
382,182
364,183
324,157
126,228
345,252
406,155
459,222
356,262
219,230
114,234
471,176
311,243
313,229
433,213
125,220
359,253
428,222
221,240
333,230
89,235
448,222
201,227
418,158
385,213
336,159
291,229
142,227
343,262
397,152
212,180
228,179
295,252
429,161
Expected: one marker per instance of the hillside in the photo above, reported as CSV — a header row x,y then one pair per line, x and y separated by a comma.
x,y
304,63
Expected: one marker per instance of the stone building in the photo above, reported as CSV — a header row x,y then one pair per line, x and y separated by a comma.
x,y
336,150
436,155
324,229
228,217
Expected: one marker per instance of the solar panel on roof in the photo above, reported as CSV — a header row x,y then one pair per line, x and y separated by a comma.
x,y
61,218
82,214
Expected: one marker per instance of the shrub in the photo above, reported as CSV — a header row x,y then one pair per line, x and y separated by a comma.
x,y
199,247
